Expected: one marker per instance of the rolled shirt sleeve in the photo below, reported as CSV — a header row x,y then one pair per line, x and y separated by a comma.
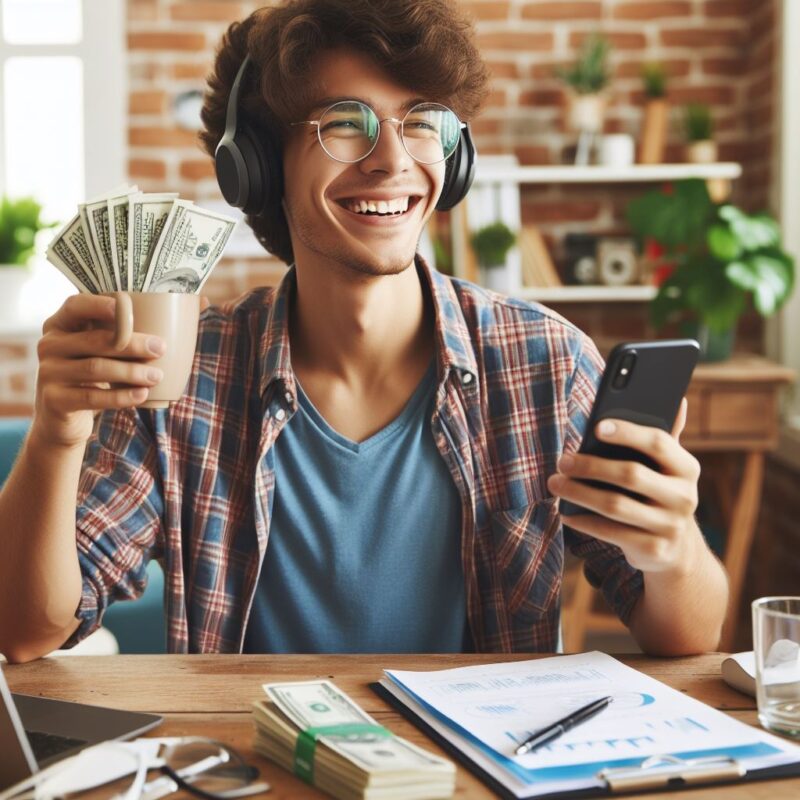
x,y
119,515
605,565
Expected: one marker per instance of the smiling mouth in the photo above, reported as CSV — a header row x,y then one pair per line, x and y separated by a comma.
x,y
398,207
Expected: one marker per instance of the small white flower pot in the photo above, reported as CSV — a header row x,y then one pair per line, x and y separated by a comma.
x,y
702,152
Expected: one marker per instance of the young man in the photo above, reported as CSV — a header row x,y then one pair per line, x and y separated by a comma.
x,y
369,457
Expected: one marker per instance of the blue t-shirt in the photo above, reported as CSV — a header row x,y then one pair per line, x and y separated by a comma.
x,y
364,551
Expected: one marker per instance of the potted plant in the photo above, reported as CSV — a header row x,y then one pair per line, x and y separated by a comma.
x,y
587,80
491,245
20,221
699,129
723,257
656,112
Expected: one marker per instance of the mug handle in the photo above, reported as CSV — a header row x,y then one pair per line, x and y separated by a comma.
x,y
123,322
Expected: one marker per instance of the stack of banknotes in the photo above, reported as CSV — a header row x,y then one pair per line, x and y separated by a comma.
x,y
344,751
126,240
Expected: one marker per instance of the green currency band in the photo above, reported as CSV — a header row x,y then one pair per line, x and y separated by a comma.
x,y
306,744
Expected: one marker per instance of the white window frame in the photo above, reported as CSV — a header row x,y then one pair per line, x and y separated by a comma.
x,y
103,51
787,177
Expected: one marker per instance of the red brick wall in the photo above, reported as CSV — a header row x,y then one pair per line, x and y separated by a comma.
x,y
717,51
707,45
759,105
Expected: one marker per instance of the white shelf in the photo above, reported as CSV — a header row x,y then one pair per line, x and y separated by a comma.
x,y
586,294
636,173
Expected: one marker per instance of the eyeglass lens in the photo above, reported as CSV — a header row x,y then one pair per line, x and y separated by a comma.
x,y
349,130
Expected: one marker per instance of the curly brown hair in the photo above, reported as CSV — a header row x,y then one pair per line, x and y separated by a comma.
x,y
425,45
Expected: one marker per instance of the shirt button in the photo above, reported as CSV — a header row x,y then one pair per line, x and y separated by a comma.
x,y
466,377
280,414
288,397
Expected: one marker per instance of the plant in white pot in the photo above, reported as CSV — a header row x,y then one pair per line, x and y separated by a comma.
x,y
587,80
699,128
20,221
491,245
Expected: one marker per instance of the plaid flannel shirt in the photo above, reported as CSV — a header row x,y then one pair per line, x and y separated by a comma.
x,y
192,486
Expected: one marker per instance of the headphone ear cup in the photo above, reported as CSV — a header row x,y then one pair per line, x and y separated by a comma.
x,y
252,200
231,171
460,172
264,168
249,170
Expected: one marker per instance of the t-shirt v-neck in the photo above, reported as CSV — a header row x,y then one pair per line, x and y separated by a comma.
x,y
408,412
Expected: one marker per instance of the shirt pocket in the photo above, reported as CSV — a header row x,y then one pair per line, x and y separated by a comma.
x,y
529,556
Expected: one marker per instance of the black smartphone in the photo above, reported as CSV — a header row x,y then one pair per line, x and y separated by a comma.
x,y
643,382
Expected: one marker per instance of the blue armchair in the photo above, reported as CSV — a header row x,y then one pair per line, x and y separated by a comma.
x,y
138,625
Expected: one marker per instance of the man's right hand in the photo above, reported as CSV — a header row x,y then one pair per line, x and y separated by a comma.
x,y
78,365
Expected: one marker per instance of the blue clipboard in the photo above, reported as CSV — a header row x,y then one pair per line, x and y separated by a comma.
x,y
654,774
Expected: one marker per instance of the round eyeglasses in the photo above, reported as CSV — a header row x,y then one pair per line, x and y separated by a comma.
x,y
348,131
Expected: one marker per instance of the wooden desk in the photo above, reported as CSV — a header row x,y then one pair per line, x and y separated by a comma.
x,y
211,696
733,421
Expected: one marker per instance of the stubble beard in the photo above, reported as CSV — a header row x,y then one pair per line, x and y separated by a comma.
x,y
305,229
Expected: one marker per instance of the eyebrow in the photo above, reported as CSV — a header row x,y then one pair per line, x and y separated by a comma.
x,y
325,102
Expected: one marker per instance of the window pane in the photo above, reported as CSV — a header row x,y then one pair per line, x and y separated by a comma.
x,y
42,21
44,132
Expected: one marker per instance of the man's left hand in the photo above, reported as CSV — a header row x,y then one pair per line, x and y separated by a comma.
x,y
657,533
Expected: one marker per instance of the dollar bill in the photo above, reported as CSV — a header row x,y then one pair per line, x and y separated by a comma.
x,y
147,214
313,704
118,237
61,257
94,259
189,247
68,252
99,229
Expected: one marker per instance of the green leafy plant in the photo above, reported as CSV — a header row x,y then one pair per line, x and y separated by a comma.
x,y
722,256
590,74
492,243
20,221
698,124
654,77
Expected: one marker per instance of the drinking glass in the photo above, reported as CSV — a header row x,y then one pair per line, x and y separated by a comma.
x,y
776,642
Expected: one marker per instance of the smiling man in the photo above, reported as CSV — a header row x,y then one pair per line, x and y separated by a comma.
x,y
369,457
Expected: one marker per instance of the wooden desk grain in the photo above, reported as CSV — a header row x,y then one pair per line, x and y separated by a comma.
x,y
211,696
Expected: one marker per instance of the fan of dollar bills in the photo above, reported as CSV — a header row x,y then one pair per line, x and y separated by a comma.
x,y
127,240
316,731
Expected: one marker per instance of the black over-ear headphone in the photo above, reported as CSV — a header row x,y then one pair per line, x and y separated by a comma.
x,y
250,170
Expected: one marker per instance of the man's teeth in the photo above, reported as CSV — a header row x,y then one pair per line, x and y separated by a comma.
x,y
397,206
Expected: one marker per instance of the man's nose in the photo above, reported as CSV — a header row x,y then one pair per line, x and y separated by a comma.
x,y
389,154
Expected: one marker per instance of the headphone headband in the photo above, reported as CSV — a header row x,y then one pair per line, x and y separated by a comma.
x,y
232,112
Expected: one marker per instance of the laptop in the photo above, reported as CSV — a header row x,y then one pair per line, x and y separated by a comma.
x,y
36,731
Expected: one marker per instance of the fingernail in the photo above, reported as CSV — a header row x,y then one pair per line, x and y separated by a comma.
x,y
154,374
139,395
566,462
156,346
606,428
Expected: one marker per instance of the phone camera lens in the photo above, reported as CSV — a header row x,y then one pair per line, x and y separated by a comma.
x,y
623,374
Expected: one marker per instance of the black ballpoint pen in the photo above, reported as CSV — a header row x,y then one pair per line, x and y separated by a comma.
x,y
546,735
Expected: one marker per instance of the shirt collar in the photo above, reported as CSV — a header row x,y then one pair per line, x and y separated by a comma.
x,y
453,343
274,345
454,349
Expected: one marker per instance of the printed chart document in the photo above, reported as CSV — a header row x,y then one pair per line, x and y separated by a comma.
x,y
489,709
